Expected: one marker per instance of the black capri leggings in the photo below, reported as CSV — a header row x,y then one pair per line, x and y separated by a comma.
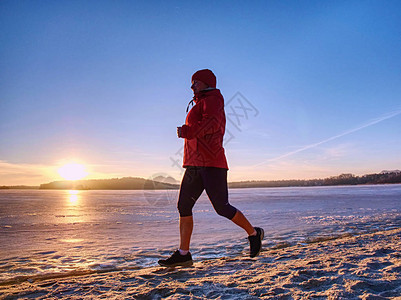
x,y
214,181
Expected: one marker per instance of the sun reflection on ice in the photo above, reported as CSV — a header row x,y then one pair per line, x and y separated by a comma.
x,y
73,197
71,240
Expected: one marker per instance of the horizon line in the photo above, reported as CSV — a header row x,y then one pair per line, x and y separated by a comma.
x,y
178,182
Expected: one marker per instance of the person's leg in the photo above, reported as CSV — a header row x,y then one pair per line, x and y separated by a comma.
x,y
190,190
243,222
186,227
215,182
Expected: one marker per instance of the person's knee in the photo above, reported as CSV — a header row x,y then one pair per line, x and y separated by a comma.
x,y
226,211
183,209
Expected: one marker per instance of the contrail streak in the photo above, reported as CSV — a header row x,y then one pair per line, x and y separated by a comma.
x,y
370,123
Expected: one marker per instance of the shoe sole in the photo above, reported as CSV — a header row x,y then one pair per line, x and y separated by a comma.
x,y
180,264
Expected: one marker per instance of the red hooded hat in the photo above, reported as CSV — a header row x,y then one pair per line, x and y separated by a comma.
x,y
206,76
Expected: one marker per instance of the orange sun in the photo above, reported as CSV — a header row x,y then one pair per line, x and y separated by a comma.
x,y
72,171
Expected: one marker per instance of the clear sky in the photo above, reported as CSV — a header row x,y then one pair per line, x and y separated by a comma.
x,y
106,83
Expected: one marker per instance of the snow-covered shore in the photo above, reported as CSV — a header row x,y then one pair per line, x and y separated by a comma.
x,y
356,267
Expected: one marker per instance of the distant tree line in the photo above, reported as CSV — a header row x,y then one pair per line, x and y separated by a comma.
x,y
343,179
164,183
19,187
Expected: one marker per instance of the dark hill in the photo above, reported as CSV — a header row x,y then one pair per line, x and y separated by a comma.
x,y
126,183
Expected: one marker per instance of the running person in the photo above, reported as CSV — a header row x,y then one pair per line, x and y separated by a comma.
x,y
206,167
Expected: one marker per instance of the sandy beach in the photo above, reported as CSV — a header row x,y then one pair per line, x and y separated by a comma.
x,y
366,266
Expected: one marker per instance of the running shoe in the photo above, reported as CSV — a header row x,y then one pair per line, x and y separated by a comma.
x,y
255,242
176,259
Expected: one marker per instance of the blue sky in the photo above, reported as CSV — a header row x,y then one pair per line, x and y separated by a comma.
x,y
106,83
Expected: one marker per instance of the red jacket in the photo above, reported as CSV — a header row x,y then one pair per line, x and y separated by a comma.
x,y
204,130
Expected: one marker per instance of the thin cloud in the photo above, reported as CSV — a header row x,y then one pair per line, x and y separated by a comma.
x,y
370,123
17,174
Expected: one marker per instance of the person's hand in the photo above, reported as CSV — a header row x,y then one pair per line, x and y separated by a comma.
x,y
179,131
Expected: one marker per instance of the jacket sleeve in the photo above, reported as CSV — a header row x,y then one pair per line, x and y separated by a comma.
x,y
210,122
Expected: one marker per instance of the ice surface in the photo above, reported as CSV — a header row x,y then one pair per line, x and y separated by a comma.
x,y
45,233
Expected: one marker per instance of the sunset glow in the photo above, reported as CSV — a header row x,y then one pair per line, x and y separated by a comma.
x,y
72,171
